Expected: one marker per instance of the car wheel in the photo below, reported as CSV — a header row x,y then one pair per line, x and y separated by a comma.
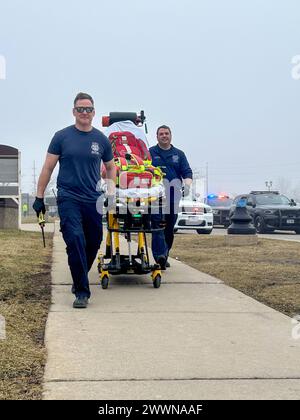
x,y
204,231
260,225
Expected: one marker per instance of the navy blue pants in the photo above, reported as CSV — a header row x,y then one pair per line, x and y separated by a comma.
x,y
162,241
81,227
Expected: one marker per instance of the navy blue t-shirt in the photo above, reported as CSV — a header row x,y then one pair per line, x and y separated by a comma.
x,y
174,164
80,154
172,161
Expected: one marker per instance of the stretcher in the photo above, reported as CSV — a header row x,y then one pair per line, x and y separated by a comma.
x,y
139,194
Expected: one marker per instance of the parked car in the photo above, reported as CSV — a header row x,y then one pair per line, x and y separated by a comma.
x,y
220,205
194,215
270,211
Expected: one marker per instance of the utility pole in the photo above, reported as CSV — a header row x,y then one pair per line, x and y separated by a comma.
x,y
34,179
206,177
269,185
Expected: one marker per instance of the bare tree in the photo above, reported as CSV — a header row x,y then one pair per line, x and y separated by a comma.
x,y
295,193
283,185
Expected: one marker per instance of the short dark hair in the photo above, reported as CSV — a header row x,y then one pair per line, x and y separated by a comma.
x,y
163,126
82,95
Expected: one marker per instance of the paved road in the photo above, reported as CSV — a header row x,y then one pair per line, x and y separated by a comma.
x,y
285,236
34,227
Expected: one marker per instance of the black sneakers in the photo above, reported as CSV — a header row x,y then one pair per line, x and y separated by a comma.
x,y
80,302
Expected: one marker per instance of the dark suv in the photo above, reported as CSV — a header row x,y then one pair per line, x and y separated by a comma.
x,y
270,211
220,205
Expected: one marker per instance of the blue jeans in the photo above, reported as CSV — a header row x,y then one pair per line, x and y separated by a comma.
x,y
81,227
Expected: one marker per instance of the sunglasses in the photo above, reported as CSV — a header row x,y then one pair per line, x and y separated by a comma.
x,y
87,109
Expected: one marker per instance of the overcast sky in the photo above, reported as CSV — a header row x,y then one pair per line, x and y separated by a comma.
x,y
218,72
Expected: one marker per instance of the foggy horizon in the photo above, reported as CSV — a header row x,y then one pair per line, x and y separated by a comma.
x,y
225,76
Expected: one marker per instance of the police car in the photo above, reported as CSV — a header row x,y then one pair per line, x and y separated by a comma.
x,y
270,211
194,215
221,204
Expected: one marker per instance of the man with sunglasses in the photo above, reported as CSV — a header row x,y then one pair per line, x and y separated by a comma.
x,y
79,149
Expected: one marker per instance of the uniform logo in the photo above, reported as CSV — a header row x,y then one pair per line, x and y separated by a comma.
x,y
175,158
95,148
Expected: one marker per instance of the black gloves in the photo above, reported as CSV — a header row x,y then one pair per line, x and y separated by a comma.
x,y
39,206
185,190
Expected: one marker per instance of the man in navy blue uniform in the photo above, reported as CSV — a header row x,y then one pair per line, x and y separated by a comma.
x,y
178,179
79,149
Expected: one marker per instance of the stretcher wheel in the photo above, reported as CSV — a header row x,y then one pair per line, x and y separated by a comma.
x,y
157,281
104,282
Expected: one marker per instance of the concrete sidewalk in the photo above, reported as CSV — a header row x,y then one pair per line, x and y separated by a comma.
x,y
193,338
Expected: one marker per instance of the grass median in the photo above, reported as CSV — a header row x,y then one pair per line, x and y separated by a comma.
x,y
25,289
268,272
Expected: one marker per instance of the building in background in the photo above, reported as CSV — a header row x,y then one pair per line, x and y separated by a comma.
x,y
10,193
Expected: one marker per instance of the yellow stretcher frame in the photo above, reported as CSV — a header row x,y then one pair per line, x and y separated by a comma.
x,y
113,244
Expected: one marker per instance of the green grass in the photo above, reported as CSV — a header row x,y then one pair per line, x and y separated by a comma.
x,y
269,271
25,290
